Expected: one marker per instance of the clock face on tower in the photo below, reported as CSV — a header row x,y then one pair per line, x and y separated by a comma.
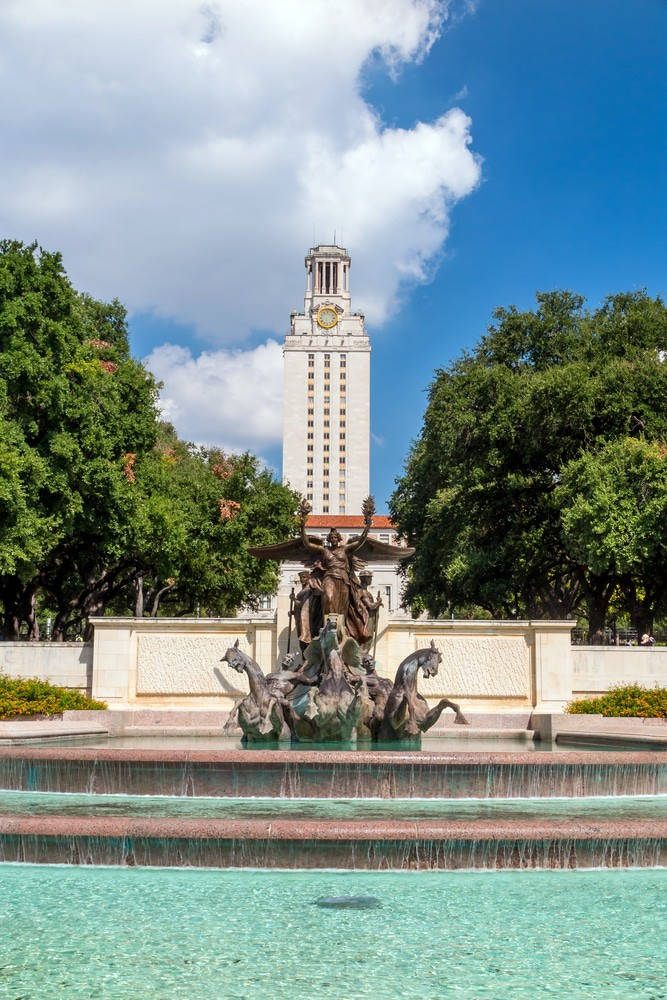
x,y
327,317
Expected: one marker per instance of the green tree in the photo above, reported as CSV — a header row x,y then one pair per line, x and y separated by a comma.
x,y
613,506
200,510
479,498
101,507
73,404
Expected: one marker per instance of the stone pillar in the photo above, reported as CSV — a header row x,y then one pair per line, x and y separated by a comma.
x,y
552,664
393,645
114,663
265,652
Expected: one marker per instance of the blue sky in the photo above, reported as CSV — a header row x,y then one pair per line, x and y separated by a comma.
x,y
568,103
184,156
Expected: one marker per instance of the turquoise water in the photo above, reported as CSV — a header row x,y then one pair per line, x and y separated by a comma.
x,y
436,744
453,743
584,808
146,934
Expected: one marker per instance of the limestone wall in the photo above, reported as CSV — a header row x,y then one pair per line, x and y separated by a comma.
x,y
68,664
175,663
597,668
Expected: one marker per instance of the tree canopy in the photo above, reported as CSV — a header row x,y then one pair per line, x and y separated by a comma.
x,y
537,484
101,506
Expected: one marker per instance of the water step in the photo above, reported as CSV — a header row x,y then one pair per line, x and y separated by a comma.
x,y
331,844
334,774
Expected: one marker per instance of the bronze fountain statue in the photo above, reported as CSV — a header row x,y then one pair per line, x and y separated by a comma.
x,y
336,693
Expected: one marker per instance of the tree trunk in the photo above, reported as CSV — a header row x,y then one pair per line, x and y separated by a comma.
x,y
31,615
599,592
158,597
139,596
11,626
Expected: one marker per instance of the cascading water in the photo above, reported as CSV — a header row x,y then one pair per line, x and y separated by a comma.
x,y
336,774
404,837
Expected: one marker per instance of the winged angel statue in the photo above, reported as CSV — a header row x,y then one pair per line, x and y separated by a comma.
x,y
334,565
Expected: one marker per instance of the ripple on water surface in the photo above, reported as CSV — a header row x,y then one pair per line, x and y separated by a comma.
x,y
618,807
146,933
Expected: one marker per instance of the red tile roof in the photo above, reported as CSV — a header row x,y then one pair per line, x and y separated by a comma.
x,y
347,521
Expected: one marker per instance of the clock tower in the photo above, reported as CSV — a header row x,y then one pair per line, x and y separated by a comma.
x,y
326,399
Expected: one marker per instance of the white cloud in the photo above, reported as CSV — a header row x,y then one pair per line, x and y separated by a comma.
x,y
183,155
231,399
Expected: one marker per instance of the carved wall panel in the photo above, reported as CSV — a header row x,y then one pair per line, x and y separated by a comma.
x,y
491,666
188,664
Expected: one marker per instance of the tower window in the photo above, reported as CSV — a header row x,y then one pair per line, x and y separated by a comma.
x,y
310,435
325,496
325,508
326,435
326,447
342,411
342,447
311,423
342,435
326,423
309,447
327,357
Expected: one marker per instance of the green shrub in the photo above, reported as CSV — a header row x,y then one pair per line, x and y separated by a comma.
x,y
624,700
22,696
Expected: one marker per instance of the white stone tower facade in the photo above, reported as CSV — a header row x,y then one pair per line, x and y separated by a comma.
x,y
326,397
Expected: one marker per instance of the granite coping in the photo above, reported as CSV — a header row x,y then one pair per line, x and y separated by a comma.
x,y
41,729
407,758
326,830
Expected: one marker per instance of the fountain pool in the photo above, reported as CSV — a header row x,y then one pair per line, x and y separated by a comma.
x,y
132,934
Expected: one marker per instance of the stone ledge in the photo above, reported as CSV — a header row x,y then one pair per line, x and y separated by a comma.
x,y
296,829
44,729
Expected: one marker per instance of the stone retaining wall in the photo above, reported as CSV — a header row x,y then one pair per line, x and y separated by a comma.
x,y
68,664
490,666
595,669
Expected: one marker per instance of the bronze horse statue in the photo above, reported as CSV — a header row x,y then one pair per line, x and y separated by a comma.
x,y
264,713
406,713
